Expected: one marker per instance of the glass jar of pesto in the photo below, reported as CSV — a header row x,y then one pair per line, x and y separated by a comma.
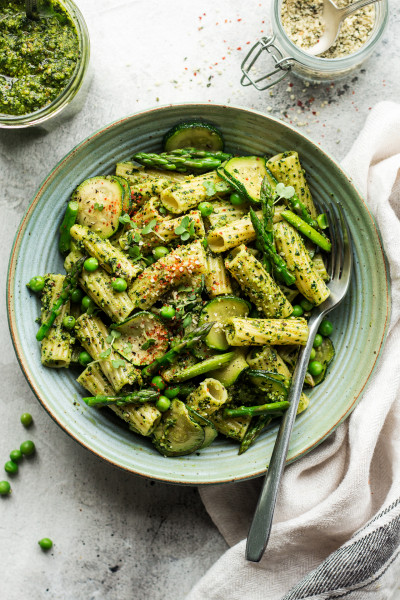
x,y
273,57
43,63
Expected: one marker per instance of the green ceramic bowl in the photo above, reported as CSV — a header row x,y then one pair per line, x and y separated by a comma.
x,y
360,322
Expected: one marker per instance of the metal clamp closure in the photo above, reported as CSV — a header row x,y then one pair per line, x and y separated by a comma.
x,y
283,64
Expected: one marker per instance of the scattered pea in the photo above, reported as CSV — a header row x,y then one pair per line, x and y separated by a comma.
x,y
87,303
27,448
325,328
297,311
205,208
16,455
172,392
317,341
158,382
159,252
5,488
69,322
306,305
315,368
119,284
91,264
76,295
236,199
163,403
45,544
167,312
36,284
84,358
313,353
26,419
11,467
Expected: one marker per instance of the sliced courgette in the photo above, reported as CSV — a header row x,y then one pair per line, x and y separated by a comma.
x,y
324,354
229,373
143,338
274,384
210,433
126,201
220,310
177,434
100,201
195,134
245,174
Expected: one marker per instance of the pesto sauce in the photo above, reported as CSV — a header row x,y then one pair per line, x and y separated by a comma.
x,y
37,56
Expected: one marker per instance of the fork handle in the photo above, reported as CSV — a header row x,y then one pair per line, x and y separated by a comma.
x,y
260,528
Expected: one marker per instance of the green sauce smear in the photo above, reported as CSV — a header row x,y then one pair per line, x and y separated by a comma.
x,y
37,56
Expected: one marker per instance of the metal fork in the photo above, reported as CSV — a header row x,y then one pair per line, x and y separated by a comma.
x,y
340,273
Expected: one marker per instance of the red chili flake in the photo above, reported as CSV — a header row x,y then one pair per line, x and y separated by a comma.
x,y
299,103
290,84
239,20
223,58
239,48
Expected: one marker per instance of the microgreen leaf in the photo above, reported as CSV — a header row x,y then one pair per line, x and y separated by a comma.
x,y
185,236
148,344
118,363
124,219
98,206
105,353
210,188
149,227
284,191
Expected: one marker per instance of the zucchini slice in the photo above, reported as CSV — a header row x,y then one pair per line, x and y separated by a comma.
x,y
126,201
143,338
100,201
177,434
324,354
274,384
210,433
229,373
195,134
221,310
245,174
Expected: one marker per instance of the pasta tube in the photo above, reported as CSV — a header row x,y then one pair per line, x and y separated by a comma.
x,y
291,246
168,272
109,257
148,212
56,347
257,332
257,284
98,286
145,183
181,197
232,235
216,279
232,427
287,169
208,397
92,333
224,212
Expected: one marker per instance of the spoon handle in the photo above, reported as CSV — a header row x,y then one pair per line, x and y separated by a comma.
x,y
260,528
351,8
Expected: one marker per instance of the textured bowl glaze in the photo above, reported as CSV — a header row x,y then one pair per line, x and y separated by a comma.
x,y
360,322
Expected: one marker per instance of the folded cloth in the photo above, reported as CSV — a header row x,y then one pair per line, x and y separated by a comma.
x,y
336,529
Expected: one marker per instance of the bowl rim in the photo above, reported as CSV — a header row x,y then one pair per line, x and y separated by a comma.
x,y
21,230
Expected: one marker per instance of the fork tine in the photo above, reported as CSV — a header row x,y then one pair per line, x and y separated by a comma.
x,y
348,255
338,236
333,237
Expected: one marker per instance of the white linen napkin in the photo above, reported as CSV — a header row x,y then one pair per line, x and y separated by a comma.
x,y
351,482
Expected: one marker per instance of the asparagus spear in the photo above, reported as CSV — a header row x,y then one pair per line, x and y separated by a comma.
x,y
70,283
306,229
274,408
268,209
186,342
71,213
210,364
182,160
278,264
257,425
139,396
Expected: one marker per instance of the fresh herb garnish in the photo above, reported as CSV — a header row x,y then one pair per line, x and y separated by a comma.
x,y
98,206
149,227
210,188
124,219
105,353
118,363
148,344
186,229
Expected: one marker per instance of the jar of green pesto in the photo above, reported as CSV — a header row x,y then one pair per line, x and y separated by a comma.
x,y
273,57
43,63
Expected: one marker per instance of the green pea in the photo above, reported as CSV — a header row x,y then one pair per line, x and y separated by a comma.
x,y
87,303
163,403
27,448
317,341
206,209
236,199
172,392
26,419
119,284
158,382
325,328
315,368
91,264
5,488
159,252
313,353
306,305
16,455
76,295
84,358
36,284
297,311
45,544
69,322
11,467
167,312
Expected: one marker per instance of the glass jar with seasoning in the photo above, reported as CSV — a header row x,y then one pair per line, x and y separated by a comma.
x,y
273,57
64,100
